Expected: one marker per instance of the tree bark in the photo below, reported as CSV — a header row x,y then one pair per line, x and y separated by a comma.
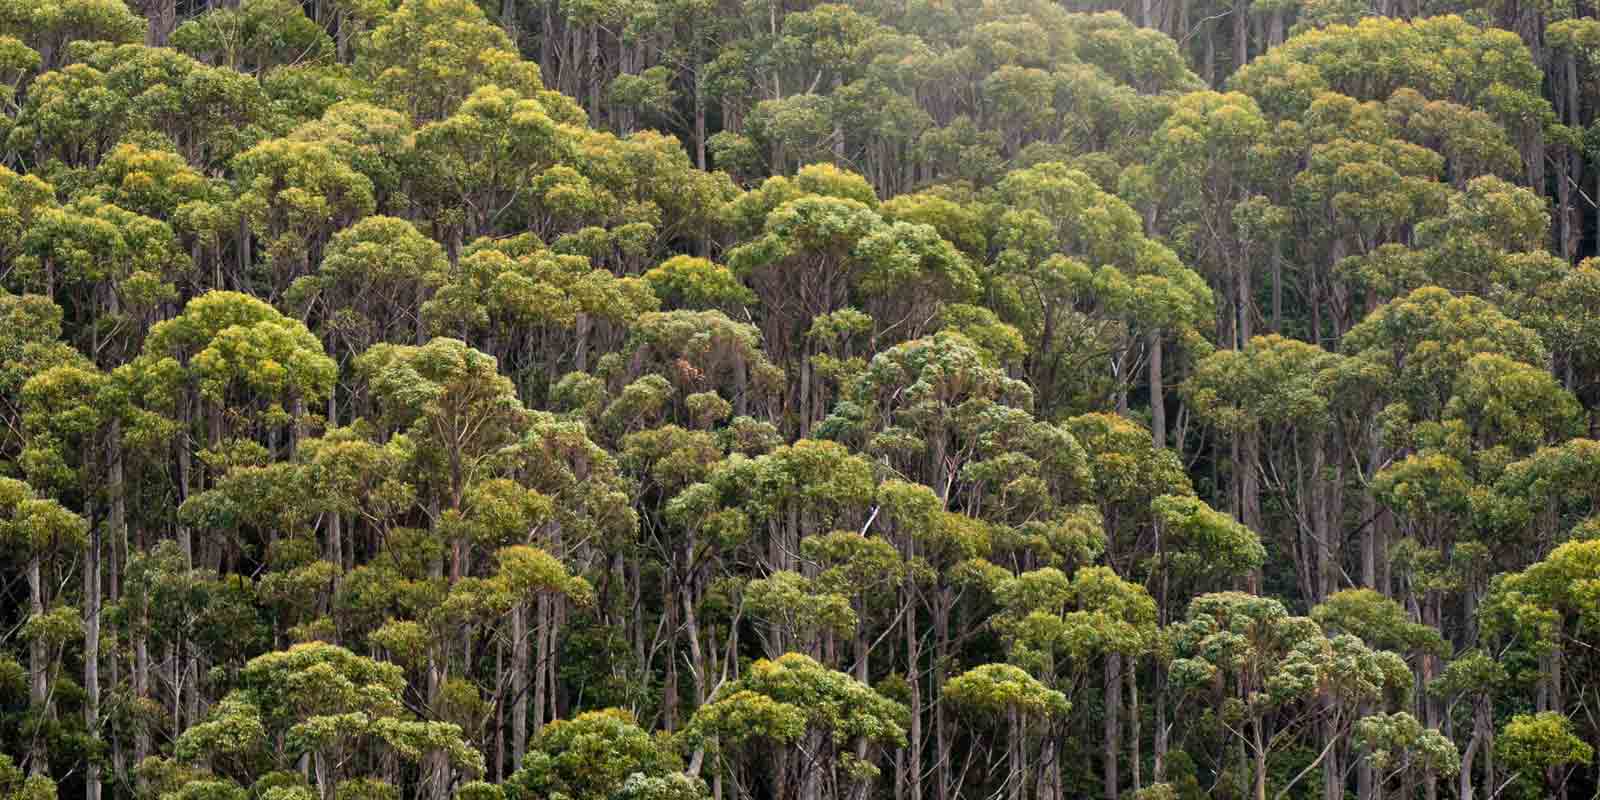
x,y
1158,403
91,655
913,680
1016,775
1131,676
38,668
163,21
1260,747
519,685
1113,727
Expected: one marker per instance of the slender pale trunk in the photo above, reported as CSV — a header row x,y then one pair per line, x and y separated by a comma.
x,y
547,45
91,655
1113,723
1245,301
540,674
1158,404
805,392
1574,176
508,19
1464,785
700,118
244,248
1248,475
1373,544
669,688
838,128
185,539
324,775
38,666
581,334
174,662
1260,746
1131,676
594,75
1366,788
1016,774
344,28
1208,59
519,684
141,683
1158,769
499,774
336,546
163,21
1483,723
913,678
1277,288
1332,774
941,624
691,621
1564,207
558,620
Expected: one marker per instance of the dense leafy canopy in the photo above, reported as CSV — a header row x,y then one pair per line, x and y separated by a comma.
x,y
690,399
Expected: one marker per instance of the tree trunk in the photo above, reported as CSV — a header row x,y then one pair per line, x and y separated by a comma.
x,y
38,667
1248,475
941,625
581,334
1241,34
1260,747
1016,774
1464,783
141,683
1332,774
547,45
1113,727
1158,769
669,686
1131,675
185,539
541,653
594,75
508,20
1158,403
519,684
913,679
163,21
91,655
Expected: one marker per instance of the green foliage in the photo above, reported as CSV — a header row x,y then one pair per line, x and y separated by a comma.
x,y
993,690
323,700
1538,743
780,701
595,754
687,398
1399,744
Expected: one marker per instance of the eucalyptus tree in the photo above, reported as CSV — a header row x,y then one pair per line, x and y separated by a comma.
x,y
809,716
342,710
